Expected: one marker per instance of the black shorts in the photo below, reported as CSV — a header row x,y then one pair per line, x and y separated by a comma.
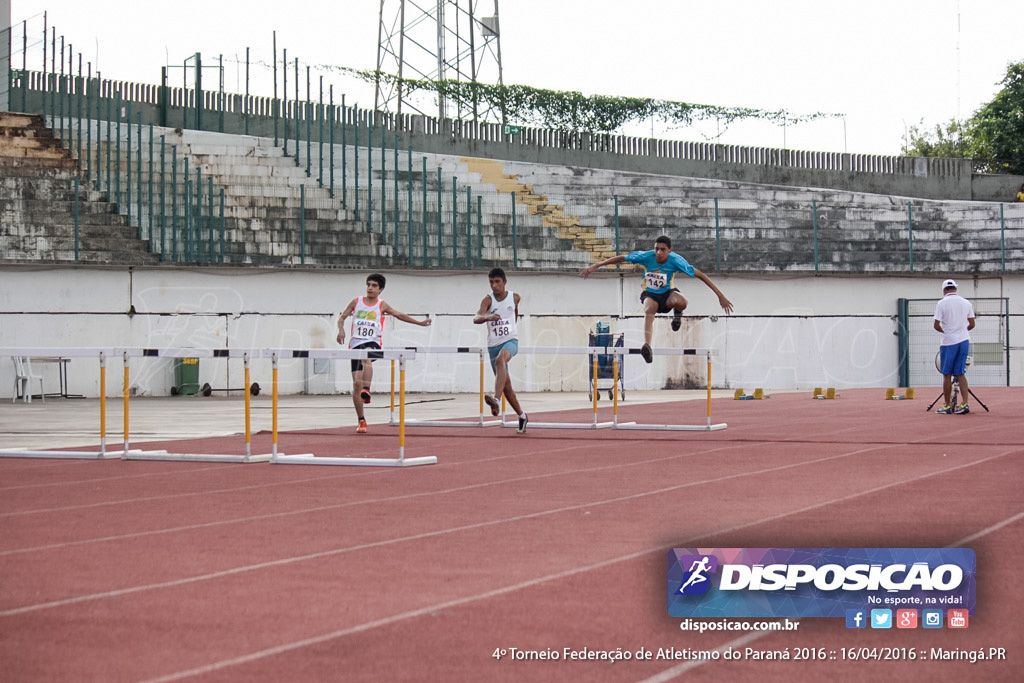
x,y
357,363
661,298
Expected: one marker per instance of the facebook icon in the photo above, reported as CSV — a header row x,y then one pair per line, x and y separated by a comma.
x,y
856,618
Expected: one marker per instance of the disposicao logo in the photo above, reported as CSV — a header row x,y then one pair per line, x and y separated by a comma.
x,y
696,580
818,582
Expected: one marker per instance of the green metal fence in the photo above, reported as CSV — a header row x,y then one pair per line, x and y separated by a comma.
x,y
357,192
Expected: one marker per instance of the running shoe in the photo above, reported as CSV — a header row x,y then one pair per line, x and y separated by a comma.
x,y
365,395
493,403
521,429
647,353
962,409
677,320
361,429
945,410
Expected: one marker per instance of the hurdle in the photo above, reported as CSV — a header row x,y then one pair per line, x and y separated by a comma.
x,y
82,352
479,422
501,422
245,354
593,352
400,355
619,351
708,427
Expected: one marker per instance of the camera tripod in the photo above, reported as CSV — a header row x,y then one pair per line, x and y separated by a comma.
x,y
955,396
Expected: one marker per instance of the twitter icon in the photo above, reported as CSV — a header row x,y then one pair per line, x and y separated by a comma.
x,y
881,618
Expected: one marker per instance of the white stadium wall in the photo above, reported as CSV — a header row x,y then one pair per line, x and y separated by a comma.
x,y
787,331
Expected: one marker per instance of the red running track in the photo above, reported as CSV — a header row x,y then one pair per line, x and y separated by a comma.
x,y
176,571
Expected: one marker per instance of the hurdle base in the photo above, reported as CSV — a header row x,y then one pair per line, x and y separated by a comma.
x,y
442,423
196,457
561,425
674,428
365,462
77,455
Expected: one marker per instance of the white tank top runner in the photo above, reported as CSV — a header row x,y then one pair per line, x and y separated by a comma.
x,y
367,324
501,331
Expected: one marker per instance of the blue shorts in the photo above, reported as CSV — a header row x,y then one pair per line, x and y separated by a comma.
x,y
953,358
512,346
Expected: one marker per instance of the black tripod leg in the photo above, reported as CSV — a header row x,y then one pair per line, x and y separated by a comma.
x,y
932,404
971,392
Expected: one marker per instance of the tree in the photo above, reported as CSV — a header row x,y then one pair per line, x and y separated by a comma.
x,y
997,128
944,141
993,137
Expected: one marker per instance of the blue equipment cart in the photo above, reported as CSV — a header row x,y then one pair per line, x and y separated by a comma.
x,y
603,336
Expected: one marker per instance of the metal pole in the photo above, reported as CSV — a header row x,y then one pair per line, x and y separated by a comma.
x,y
718,238
284,114
76,219
814,210
910,233
355,151
369,174
424,211
455,220
515,237
440,259
330,116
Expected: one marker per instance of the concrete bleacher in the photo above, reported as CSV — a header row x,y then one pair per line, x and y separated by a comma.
x,y
277,213
773,227
38,204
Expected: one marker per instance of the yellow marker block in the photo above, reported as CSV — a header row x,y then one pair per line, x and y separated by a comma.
x,y
910,393
737,395
889,393
831,393
758,394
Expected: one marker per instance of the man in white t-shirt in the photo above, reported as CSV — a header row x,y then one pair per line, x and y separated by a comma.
x,y
954,318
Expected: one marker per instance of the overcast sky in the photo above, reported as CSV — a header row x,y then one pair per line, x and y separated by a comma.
x,y
884,65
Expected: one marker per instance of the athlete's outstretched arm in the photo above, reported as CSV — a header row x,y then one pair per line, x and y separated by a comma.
x,y
607,262
722,300
386,308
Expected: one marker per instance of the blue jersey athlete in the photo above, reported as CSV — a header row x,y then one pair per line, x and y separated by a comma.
x,y
659,296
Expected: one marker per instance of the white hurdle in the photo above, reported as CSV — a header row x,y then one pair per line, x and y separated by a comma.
x,y
374,354
246,355
126,354
83,352
621,352
479,422
708,427
593,352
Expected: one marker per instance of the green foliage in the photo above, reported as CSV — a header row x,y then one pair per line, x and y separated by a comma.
x,y
993,137
997,128
574,111
944,141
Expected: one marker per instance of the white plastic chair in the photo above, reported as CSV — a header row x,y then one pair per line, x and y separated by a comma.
x,y
23,380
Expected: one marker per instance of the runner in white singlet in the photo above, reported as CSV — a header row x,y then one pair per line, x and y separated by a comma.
x,y
500,311
367,332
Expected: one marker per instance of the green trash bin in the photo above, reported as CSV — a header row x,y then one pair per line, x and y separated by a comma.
x,y
186,377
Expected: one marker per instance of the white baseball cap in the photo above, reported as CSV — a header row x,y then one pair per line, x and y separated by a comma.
x,y
949,283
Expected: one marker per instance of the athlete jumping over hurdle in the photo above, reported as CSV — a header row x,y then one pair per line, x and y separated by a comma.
x,y
368,314
659,296
500,310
